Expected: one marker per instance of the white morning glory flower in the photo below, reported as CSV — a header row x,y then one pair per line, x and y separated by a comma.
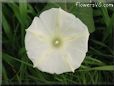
x,y
56,41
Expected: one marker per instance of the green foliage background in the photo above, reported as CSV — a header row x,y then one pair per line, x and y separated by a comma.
x,y
97,67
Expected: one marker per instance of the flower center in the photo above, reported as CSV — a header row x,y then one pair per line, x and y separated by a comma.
x,y
56,42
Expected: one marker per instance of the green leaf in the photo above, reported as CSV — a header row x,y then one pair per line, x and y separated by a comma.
x,y
112,22
23,69
105,16
107,21
10,60
97,52
107,68
4,74
85,14
6,27
39,75
31,10
93,61
21,15
23,12
22,51
101,44
15,9
100,68
7,59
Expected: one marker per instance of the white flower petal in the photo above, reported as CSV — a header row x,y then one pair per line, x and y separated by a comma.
x,y
71,25
37,26
50,19
54,63
77,50
34,46
79,42
76,56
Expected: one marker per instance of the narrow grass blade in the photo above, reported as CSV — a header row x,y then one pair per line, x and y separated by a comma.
x,y
9,58
23,12
100,68
6,27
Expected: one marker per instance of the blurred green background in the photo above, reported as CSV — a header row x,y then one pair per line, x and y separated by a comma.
x,y
97,67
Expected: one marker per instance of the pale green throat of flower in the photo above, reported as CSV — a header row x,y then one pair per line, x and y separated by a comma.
x,y
57,42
